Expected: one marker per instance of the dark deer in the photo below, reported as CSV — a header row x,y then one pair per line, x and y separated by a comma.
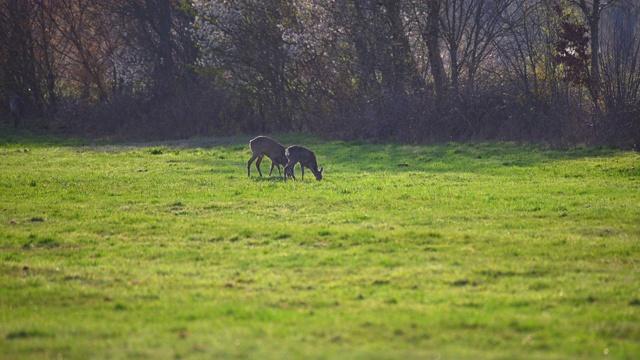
x,y
264,145
17,106
306,158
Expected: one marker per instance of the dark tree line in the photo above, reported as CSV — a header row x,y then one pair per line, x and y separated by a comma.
x,y
556,71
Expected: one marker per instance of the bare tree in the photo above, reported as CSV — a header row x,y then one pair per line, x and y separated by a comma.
x,y
620,73
430,31
470,28
592,12
244,39
49,64
18,57
87,43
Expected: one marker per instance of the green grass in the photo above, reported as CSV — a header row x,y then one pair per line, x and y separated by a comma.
x,y
454,251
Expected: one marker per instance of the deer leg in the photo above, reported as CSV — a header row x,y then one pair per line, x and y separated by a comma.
x,y
288,171
249,164
272,165
258,164
302,168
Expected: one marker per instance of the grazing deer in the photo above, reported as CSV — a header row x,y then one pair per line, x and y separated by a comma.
x,y
306,158
264,145
17,107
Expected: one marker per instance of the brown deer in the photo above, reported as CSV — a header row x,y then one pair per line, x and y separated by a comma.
x,y
264,145
17,107
306,158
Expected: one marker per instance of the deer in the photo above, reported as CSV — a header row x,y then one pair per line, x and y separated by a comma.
x,y
306,158
265,146
17,107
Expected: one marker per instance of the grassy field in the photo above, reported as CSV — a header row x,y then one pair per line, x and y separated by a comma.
x,y
454,251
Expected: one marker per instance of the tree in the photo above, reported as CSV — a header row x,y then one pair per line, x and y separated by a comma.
x,y
158,40
470,29
18,53
428,20
31,60
592,12
620,74
87,41
572,48
243,39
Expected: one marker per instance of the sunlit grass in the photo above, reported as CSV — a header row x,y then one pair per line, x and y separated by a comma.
x,y
168,250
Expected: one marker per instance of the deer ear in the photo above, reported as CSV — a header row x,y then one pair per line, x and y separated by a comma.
x,y
321,169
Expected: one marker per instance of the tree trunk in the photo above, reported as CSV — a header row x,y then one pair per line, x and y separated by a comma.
x,y
593,19
431,36
594,24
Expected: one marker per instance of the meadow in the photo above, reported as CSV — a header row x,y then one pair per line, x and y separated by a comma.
x,y
168,250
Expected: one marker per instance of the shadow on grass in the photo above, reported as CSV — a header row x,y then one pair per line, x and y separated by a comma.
x,y
266,178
